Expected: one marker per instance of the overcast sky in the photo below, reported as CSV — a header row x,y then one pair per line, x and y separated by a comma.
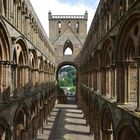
x,y
63,7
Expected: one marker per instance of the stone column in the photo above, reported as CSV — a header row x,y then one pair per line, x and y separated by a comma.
x,y
98,80
26,74
103,81
113,81
138,84
1,81
123,82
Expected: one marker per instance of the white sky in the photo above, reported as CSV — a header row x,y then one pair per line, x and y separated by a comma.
x,y
63,7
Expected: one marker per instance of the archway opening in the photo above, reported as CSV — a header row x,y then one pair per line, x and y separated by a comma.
x,y
67,81
68,48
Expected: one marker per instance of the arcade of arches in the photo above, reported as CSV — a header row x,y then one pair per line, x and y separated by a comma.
x,y
108,68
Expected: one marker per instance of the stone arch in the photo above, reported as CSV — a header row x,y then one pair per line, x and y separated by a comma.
x,y
5,133
34,107
63,64
5,42
68,45
106,62
33,59
41,63
34,118
107,123
21,123
96,119
34,66
22,50
62,98
126,131
96,70
126,51
41,112
5,56
124,34
20,58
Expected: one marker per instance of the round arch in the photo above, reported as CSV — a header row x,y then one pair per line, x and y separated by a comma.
x,y
126,51
23,50
127,131
61,95
131,20
63,64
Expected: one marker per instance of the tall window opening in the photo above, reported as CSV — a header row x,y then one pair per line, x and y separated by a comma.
x,y
68,48
77,27
5,7
59,27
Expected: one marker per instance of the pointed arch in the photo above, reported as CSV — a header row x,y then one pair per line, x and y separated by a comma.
x,y
20,121
107,124
68,48
22,45
4,42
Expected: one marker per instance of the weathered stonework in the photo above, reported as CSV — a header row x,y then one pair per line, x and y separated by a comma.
x,y
107,62
109,71
67,31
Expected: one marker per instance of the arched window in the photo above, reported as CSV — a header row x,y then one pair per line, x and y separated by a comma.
x,y
68,48
59,27
77,27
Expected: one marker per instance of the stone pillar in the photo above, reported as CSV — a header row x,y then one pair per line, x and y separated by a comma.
x,y
107,81
138,84
103,81
1,81
113,81
98,80
26,74
123,82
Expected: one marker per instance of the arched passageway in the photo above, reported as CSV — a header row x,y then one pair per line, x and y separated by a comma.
x,y
67,83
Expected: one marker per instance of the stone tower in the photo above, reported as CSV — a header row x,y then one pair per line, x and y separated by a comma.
x,y
67,33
